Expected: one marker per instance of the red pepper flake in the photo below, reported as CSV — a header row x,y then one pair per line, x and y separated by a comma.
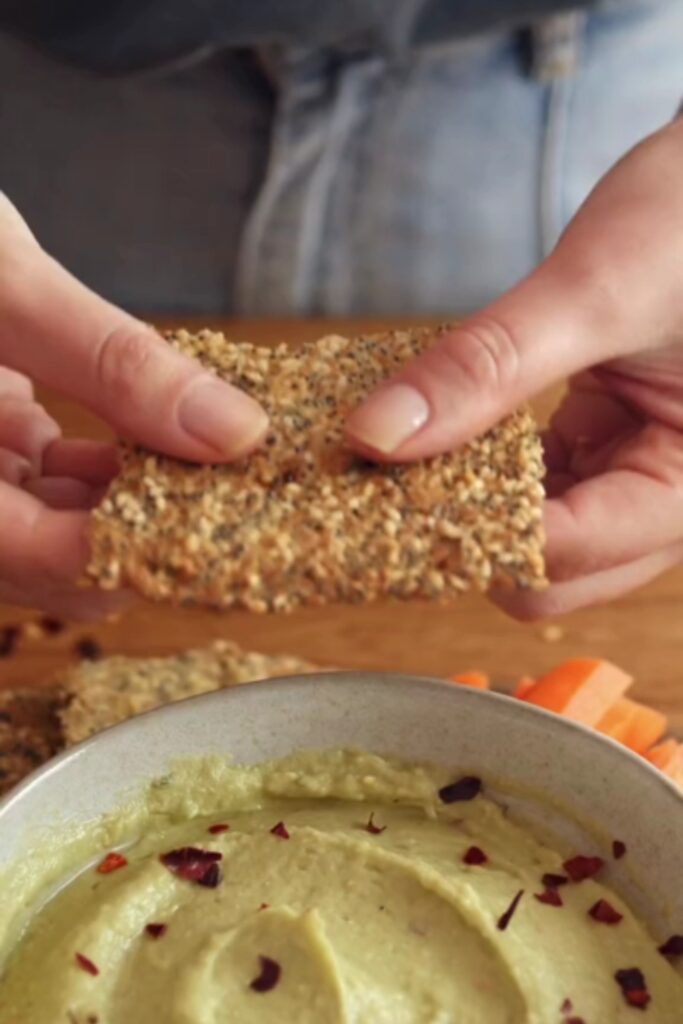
x,y
86,964
156,930
567,1006
373,829
633,986
264,906
605,913
475,856
618,849
505,918
673,946
464,789
575,1020
268,977
579,868
193,865
212,877
551,881
216,830
50,625
551,897
9,638
112,862
280,830
88,649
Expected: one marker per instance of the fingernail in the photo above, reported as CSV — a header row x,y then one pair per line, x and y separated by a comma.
x,y
221,417
387,419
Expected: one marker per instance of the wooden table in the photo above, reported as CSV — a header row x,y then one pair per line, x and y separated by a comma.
x,y
643,632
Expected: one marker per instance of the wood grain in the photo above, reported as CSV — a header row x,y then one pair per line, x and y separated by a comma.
x,y
643,632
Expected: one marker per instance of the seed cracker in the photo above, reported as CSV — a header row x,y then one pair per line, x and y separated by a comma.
x,y
98,694
304,521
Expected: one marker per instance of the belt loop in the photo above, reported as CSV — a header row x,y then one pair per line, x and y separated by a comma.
x,y
556,45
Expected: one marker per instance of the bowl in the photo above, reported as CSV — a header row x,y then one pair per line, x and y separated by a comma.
x,y
568,782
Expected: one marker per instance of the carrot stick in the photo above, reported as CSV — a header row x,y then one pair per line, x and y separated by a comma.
x,y
477,680
582,689
635,725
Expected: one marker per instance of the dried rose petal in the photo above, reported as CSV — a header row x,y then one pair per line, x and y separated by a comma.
x,y
579,868
605,913
212,877
218,828
672,946
505,918
551,897
373,829
112,862
156,929
86,964
475,856
551,881
633,986
464,789
268,977
618,849
190,863
280,830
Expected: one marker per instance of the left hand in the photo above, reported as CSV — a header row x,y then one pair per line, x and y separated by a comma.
x,y
606,310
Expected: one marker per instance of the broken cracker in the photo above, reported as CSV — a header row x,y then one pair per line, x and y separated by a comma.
x,y
97,694
305,521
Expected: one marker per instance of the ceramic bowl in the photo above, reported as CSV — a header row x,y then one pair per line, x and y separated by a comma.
x,y
561,778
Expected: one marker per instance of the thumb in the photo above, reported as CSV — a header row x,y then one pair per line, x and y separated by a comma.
x,y
477,372
61,334
610,288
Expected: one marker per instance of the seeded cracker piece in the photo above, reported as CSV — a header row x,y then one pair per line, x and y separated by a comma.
x,y
98,694
304,521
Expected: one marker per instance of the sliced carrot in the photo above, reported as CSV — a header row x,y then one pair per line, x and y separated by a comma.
x,y
524,686
635,725
663,754
582,689
477,680
668,757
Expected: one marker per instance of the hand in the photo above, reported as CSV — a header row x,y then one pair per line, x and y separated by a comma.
x,y
606,309
56,332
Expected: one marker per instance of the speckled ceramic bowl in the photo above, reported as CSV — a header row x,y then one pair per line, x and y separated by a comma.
x,y
584,789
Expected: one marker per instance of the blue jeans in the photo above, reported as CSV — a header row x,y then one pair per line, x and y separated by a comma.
x,y
429,181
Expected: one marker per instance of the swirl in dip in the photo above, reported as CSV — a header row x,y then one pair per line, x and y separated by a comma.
x,y
345,888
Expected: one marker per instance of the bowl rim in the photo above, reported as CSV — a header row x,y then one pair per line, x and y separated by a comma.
x,y
274,684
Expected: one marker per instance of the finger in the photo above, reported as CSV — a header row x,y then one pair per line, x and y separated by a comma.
x,y
15,384
62,492
26,429
610,289
597,588
37,544
63,335
14,469
93,462
634,508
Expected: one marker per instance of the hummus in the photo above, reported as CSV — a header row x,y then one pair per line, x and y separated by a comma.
x,y
344,889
